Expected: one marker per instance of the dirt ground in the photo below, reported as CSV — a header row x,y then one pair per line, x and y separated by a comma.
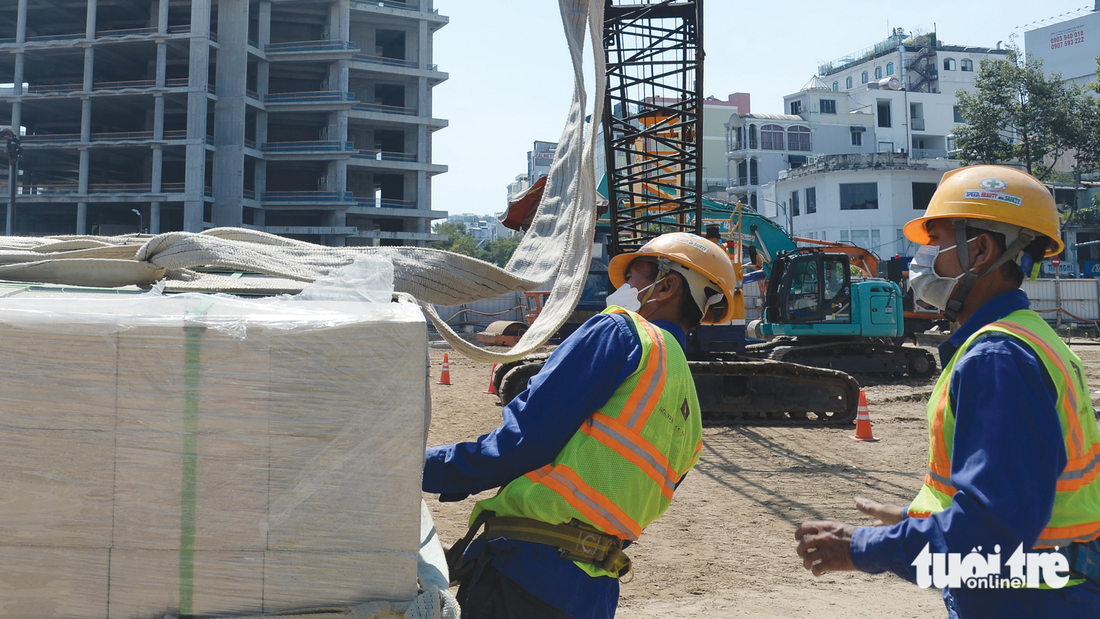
x,y
725,548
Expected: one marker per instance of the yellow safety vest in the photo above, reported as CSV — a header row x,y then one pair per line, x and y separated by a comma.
x,y
1076,515
618,471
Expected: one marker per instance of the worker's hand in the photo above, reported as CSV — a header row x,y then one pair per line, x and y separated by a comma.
x,y
825,546
885,513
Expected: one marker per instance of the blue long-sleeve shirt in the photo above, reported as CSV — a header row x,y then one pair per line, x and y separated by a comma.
x,y
1007,454
579,377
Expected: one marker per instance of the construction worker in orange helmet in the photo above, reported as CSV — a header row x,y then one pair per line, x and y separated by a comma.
x,y
1014,448
566,456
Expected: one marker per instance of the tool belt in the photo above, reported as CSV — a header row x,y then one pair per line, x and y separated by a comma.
x,y
1084,560
575,541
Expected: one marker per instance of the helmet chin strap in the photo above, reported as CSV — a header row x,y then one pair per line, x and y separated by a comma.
x,y
966,282
663,267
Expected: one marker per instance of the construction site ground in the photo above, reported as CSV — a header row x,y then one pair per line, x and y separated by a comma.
x,y
725,548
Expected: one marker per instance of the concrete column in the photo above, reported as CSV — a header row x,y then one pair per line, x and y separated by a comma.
x,y
197,80
82,182
16,116
17,74
21,22
82,218
162,16
157,176
89,68
162,63
85,120
229,112
264,24
89,25
158,117
423,45
154,218
343,15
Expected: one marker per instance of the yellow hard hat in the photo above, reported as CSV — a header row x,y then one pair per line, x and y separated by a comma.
x,y
702,263
992,193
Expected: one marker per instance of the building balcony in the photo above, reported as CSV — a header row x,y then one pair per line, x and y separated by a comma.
x,y
391,62
384,155
400,236
299,149
312,230
929,153
385,203
314,99
380,108
326,49
293,198
916,124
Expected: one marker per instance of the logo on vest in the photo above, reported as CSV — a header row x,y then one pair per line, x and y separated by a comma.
x,y
975,571
685,410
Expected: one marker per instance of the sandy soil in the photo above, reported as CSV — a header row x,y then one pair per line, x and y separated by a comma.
x,y
725,548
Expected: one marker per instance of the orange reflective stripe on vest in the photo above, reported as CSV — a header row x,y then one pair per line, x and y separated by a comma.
x,y
642,402
634,448
939,467
588,501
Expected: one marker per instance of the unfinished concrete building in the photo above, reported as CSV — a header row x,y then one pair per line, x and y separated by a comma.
x,y
310,118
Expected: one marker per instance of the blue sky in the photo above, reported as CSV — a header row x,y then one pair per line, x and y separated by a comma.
x,y
510,79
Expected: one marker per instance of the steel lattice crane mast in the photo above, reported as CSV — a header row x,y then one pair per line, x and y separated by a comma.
x,y
653,118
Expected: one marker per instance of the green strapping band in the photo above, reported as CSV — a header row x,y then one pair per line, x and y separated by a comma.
x,y
189,464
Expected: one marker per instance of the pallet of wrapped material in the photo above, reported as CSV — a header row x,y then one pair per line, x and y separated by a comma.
x,y
205,455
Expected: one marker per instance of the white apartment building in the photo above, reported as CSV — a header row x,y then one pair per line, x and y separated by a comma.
x,y
865,199
1068,47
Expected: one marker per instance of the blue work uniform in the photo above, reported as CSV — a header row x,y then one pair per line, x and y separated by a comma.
x,y
1007,455
579,377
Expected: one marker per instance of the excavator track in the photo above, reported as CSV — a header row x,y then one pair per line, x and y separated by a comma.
x,y
745,391
864,357
774,393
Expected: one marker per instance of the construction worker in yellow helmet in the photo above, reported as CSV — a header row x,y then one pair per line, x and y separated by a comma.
x,y
593,450
1007,522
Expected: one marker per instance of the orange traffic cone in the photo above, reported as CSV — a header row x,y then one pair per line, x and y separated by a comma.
x,y
445,378
863,421
492,390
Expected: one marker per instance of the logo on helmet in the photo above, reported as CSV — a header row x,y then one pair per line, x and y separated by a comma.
x,y
993,184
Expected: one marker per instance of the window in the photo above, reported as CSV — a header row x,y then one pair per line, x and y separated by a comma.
x,y
858,196
843,236
794,204
885,147
752,136
948,64
796,161
889,68
771,137
848,82
796,108
798,138
836,86
863,78
857,138
811,200
967,64
878,73
861,238
828,106
958,114
884,114
922,195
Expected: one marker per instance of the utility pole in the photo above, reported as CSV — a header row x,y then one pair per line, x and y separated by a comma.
x,y
14,151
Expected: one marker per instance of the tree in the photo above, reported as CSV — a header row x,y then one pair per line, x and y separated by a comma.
x,y
1017,112
460,241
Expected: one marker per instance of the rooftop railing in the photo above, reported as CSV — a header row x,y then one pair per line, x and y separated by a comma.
x,y
385,109
327,45
393,4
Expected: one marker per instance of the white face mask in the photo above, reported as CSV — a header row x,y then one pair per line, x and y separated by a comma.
x,y
626,297
928,285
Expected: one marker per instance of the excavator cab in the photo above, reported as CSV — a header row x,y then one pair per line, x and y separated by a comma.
x,y
807,287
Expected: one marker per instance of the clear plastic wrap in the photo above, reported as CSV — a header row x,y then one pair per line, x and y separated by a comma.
x,y
199,454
